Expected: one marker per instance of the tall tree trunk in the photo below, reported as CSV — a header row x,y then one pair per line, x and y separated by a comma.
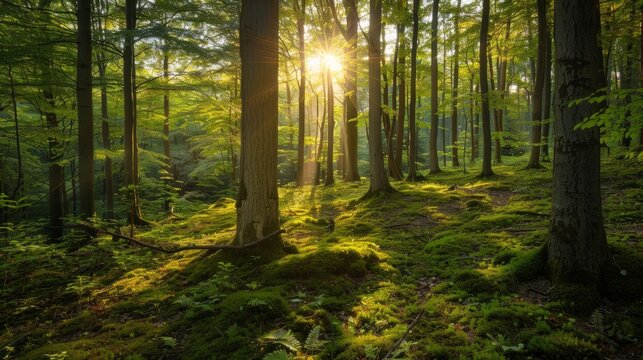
x,y
547,102
537,97
413,176
577,247
85,110
166,130
350,97
392,136
502,87
330,103
379,181
17,192
434,166
386,119
484,92
454,92
444,95
301,19
496,137
129,128
258,200
56,174
401,107
108,212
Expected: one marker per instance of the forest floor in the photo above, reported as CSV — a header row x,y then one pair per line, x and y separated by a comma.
x,y
441,269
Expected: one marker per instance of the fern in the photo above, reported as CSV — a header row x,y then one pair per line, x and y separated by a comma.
x,y
277,355
283,337
313,343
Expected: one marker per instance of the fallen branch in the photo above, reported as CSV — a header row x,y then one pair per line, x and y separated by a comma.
x,y
405,335
91,228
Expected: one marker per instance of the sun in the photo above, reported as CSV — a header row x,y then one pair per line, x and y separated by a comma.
x,y
325,60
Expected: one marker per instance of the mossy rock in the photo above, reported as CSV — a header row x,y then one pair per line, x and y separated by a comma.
x,y
474,283
562,345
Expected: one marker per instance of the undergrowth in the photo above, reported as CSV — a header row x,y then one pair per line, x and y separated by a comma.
x,y
456,257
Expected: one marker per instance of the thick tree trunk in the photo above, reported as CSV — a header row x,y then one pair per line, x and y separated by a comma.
x,y
85,110
537,97
129,128
484,92
301,18
577,247
108,212
434,166
350,100
379,181
454,92
258,200
503,89
413,176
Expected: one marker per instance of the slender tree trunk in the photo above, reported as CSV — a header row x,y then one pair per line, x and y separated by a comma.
x,y
577,247
17,192
401,108
108,212
641,69
129,128
547,102
496,138
502,87
454,92
537,97
350,97
301,18
444,95
379,181
434,166
166,130
56,174
330,102
413,176
393,165
258,200
85,110
474,135
484,92
386,119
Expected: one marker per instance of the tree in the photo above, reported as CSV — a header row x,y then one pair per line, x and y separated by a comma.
x,y
484,93
537,97
454,92
130,141
401,107
301,19
379,179
434,164
413,175
257,199
577,248
85,110
350,99
330,103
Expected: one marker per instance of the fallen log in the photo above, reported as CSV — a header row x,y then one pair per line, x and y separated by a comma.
x,y
93,229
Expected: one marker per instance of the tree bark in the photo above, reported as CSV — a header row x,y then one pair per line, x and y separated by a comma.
x,y
166,130
350,98
547,102
401,107
413,176
454,92
484,92
330,103
258,200
129,129
85,110
434,165
56,174
537,97
577,247
108,212
301,19
379,179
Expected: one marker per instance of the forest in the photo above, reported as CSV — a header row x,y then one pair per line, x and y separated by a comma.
x,y
321,179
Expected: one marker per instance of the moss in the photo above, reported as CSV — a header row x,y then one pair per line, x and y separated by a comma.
x,y
562,345
476,204
83,321
527,266
474,283
251,306
620,278
576,299
504,257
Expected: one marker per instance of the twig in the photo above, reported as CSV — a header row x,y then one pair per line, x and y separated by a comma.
x,y
88,227
538,292
405,335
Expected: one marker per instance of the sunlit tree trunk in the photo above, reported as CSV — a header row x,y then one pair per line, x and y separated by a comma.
x,y
166,129
577,247
484,92
379,181
413,175
454,92
350,100
330,103
537,97
301,19
258,200
434,166
401,107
